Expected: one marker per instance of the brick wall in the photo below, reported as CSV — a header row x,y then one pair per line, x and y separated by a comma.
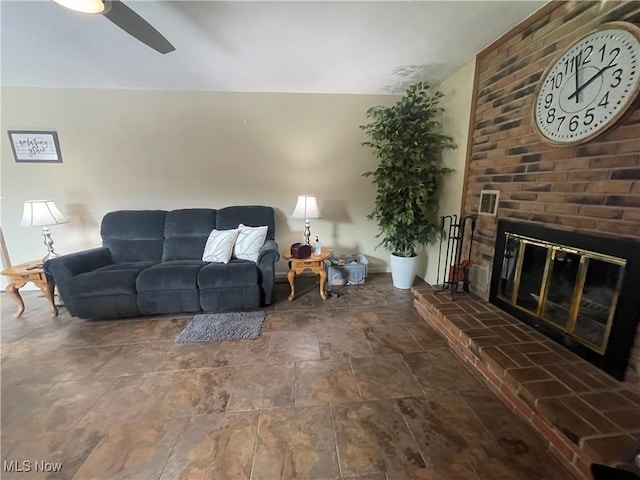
x,y
592,188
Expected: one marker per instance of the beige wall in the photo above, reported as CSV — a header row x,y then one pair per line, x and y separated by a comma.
x,y
458,91
127,149
166,150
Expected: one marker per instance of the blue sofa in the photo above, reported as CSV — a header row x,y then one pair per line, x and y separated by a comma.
x,y
151,263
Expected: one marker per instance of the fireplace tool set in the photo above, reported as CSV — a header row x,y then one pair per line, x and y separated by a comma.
x,y
456,267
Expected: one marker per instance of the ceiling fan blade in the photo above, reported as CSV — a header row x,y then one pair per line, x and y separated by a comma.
x,y
138,27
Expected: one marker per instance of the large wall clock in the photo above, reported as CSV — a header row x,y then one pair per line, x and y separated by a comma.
x,y
590,85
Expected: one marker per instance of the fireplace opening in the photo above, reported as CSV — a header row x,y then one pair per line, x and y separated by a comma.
x,y
580,290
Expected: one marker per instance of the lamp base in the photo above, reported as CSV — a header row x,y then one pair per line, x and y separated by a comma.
x,y
48,241
307,232
49,256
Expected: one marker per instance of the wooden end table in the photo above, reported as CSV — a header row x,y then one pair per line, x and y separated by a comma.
x,y
315,263
20,275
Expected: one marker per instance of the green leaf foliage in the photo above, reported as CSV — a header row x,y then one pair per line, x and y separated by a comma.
x,y
407,140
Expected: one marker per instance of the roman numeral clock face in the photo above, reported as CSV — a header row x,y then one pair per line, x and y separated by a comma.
x,y
590,86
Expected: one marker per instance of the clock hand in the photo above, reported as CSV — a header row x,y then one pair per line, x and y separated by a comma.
x,y
588,82
575,62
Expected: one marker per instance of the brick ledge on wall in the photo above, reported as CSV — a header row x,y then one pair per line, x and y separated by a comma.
x,y
585,415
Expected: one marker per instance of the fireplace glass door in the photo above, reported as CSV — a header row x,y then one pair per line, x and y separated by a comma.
x,y
574,291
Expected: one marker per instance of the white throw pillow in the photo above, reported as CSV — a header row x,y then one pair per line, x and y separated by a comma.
x,y
219,246
249,242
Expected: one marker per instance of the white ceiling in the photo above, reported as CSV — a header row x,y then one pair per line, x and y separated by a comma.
x,y
370,47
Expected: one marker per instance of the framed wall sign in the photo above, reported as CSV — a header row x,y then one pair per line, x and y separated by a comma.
x,y
32,146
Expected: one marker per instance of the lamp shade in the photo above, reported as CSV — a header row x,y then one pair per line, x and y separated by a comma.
x,y
41,213
307,207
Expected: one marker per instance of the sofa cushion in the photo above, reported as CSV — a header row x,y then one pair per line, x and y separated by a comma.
x,y
134,235
235,273
250,215
174,275
119,278
186,232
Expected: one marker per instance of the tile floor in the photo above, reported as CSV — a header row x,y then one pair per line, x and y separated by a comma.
x,y
356,387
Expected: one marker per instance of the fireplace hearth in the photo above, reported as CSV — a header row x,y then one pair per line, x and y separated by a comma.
x,y
582,291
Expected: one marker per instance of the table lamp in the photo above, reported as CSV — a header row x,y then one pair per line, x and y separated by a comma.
x,y
42,213
307,207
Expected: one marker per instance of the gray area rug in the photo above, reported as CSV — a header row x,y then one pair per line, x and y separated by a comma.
x,y
215,327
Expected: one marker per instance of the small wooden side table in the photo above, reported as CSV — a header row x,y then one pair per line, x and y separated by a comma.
x,y
20,275
315,263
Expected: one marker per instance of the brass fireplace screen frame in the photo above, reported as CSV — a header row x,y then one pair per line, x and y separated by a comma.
x,y
556,252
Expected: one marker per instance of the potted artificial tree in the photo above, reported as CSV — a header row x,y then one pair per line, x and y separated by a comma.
x,y
408,141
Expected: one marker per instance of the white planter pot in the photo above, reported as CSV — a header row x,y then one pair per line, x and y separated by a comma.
x,y
403,271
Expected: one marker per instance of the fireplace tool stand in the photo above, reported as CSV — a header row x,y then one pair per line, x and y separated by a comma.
x,y
456,269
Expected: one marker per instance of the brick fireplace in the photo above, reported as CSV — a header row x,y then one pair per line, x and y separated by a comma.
x,y
585,415
591,189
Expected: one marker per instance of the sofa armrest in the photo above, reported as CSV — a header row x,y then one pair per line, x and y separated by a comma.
x,y
267,258
74,264
269,252
65,267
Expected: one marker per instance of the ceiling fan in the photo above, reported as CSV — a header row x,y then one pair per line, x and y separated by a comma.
x,y
123,17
